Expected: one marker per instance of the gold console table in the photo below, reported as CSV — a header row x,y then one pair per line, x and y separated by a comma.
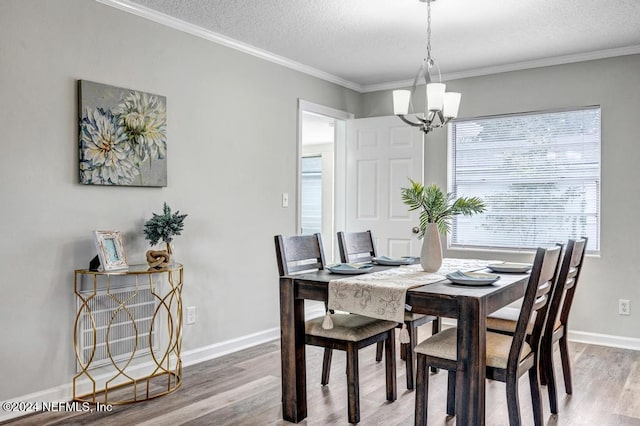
x,y
128,334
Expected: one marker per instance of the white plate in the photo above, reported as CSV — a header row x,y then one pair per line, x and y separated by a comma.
x,y
472,278
510,267
390,261
347,269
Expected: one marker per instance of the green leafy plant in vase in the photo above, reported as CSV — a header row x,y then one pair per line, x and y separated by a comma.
x,y
162,227
437,208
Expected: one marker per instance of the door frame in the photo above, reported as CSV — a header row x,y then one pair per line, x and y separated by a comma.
x,y
340,164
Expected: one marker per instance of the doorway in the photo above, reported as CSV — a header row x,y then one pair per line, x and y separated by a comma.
x,y
321,177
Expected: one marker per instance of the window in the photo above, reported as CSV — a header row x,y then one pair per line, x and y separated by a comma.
x,y
538,174
311,195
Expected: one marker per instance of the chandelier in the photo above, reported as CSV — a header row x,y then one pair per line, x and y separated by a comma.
x,y
440,106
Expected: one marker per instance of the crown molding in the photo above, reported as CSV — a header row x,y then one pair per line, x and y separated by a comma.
x,y
180,25
517,66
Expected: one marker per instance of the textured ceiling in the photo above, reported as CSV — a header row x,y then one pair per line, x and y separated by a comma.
x,y
375,42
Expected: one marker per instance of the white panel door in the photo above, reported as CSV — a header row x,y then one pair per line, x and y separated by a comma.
x,y
382,154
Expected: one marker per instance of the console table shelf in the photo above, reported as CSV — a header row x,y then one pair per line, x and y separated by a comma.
x,y
127,334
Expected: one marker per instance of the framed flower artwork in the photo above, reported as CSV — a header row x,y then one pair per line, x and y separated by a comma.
x,y
110,250
123,136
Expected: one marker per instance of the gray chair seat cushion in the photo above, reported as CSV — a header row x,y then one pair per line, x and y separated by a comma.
x,y
352,328
444,345
505,320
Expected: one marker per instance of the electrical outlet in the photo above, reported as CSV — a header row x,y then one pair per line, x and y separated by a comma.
x,y
191,315
624,307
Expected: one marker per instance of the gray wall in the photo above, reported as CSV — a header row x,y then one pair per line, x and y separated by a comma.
x,y
614,84
232,135
232,128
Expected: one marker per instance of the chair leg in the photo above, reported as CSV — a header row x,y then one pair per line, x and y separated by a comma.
x,y
451,393
566,364
353,387
435,329
410,356
548,371
536,401
379,349
513,402
542,367
390,366
326,366
422,391
435,326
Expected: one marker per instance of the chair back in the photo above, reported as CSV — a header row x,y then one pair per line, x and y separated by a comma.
x,y
567,280
356,246
535,304
299,253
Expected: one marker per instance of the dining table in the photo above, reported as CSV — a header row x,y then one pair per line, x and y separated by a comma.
x,y
469,305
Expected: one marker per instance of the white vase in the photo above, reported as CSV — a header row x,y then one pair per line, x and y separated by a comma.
x,y
431,253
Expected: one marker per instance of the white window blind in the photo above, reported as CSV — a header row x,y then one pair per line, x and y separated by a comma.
x,y
538,174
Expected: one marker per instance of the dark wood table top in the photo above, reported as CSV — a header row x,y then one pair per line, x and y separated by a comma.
x,y
312,286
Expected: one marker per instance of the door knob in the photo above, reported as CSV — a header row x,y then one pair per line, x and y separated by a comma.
x,y
415,230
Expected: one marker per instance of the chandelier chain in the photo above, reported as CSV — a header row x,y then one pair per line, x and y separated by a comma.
x,y
429,60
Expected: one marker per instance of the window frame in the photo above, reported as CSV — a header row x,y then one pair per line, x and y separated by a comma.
x,y
451,172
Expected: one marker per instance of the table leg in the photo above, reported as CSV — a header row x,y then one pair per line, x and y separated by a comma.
x,y
294,380
470,377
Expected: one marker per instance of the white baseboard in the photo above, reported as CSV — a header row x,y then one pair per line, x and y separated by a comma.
x,y
604,340
195,356
588,338
216,350
63,393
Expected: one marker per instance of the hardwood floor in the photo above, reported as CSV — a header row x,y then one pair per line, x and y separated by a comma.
x,y
244,389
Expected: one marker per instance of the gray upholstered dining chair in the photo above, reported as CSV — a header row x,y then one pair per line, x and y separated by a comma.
x,y
350,333
504,321
360,247
508,357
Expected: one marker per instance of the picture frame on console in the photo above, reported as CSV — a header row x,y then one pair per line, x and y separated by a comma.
x,y
110,250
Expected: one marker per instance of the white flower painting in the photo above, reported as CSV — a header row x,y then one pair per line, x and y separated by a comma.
x,y
123,136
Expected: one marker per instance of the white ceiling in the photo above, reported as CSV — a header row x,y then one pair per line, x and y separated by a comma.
x,y
377,44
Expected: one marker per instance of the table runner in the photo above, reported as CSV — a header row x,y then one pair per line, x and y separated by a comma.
x,y
383,294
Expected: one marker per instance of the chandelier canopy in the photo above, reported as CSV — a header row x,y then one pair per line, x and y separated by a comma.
x,y
440,106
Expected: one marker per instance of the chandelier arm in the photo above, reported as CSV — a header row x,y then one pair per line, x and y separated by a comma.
x,y
437,67
411,123
421,71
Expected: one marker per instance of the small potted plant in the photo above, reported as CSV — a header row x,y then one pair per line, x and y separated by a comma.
x,y
163,227
436,211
